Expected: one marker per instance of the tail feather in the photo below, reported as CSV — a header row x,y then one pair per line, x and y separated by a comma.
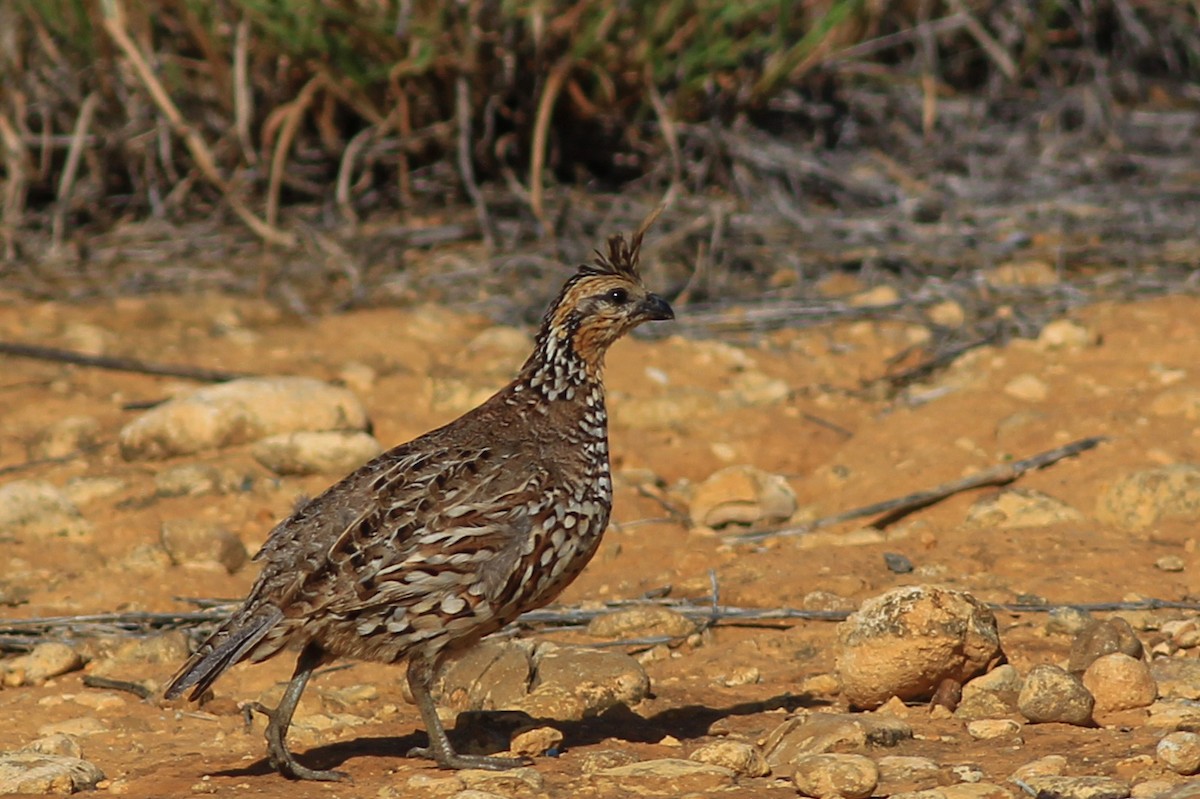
x,y
224,648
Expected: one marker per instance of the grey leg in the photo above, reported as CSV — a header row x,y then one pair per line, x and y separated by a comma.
x,y
420,678
280,719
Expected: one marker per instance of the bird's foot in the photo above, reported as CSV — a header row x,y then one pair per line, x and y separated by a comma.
x,y
278,755
453,760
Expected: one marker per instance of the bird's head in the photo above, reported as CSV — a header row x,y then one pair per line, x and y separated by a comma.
x,y
603,301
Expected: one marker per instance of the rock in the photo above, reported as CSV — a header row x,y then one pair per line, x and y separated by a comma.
x,y
1141,498
821,733
876,297
752,388
36,509
677,407
44,661
974,790
947,313
491,676
741,675
1168,715
1027,387
1063,334
897,769
992,694
87,338
188,479
78,726
827,601
741,495
192,542
1170,563
534,741
505,783
596,679
1165,788
307,452
424,785
473,793
56,744
546,681
1180,752
1177,678
1019,508
906,642
1022,273
666,777
848,776
1179,401
1119,682
897,563
86,490
1051,694
31,772
1050,765
141,658
642,621
1067,620
990,729
742,758
1078,787
357,376
1102,637
601,759
65,437
238,412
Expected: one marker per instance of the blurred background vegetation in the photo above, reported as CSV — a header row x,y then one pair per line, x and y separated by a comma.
x,y
335,110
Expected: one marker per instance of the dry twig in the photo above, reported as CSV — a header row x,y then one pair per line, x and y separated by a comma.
x,y
893,509
115,363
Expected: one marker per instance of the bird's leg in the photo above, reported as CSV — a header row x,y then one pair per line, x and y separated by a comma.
x,y
280,719
420,678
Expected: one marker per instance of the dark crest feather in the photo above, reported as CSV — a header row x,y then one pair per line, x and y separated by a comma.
x,y
622,258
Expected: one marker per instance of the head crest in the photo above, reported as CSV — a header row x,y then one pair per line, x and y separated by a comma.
x,y
622,257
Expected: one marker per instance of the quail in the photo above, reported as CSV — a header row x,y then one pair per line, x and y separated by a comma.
x,y
436,543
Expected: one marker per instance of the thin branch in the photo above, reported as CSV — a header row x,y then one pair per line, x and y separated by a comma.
x,y
541,132
1001,474
117,364
67,182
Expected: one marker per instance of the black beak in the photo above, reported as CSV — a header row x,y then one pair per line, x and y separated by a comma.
x,y
655,308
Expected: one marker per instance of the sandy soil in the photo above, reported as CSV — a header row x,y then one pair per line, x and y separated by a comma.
x,y
838,446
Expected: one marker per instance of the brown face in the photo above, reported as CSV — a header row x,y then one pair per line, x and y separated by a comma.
x,y
599,309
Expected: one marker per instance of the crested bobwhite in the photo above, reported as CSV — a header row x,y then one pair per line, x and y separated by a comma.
x,y
438,542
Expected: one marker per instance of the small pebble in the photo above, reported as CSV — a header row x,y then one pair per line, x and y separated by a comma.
x,y
1027,387
1053,695
1169,563
1102,637
988,729
740,757
535,742
897,563
1067,620
1050,765
1119,682
1180,752
830,775
1078,787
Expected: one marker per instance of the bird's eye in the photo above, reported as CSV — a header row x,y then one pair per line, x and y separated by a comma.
x,y
617,296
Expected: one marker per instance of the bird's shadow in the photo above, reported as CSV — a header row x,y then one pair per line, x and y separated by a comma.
x,y
687,722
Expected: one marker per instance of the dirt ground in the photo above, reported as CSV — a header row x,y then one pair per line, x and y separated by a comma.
x,y
681,410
